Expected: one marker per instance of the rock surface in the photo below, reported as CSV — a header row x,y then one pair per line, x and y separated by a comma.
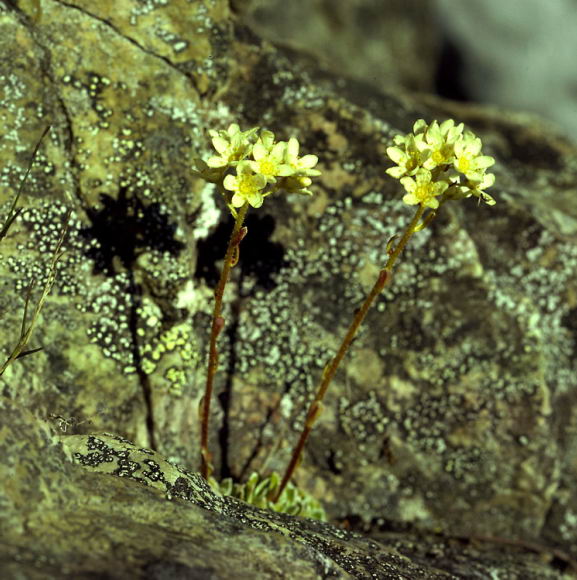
x,y
531,69
455,412
385,43
113,510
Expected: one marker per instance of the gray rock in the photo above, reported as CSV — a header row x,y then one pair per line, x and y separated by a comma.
x,y
385,43
454,412
83,506
517,54
64,522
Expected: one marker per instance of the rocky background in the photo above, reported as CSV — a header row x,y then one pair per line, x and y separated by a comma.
x,y
516,54
453,419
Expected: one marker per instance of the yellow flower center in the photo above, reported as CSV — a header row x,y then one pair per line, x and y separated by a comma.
x,y
411,164
464,164
266,167
423,192
438,157
246,185
235,154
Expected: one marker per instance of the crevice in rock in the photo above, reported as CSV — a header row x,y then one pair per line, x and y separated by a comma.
x,y
225,396
67,126
144,381
244,472
129,39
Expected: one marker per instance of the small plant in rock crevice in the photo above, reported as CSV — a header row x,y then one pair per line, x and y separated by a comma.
x,y
435,163
250,166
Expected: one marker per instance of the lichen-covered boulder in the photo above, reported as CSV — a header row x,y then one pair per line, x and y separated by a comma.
x,y
96,505
455,408
123,92
61,521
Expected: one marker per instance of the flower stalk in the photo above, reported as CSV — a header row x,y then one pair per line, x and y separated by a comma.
x,y
230,259
315,408
435,163
249,166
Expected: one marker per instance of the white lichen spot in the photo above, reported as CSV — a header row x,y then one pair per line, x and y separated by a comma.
x,y
413,509
209,214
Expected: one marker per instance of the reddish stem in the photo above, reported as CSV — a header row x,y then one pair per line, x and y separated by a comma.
x,y
230,259
330,370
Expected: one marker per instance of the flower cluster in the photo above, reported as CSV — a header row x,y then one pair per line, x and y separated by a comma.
x,y
250,165
438,162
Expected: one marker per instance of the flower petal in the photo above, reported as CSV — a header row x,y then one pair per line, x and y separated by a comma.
x,y
258,181
267,138
278,150
254,165
220,144
396,154
420,126
308,161
230,182
434,135
292,148
238,200
409,184
440,187
473,148
216,162
455,132
233,129
484,161
255,199
423,176
259,150
487,198
446,125
410,199
284,170
395,172
488,181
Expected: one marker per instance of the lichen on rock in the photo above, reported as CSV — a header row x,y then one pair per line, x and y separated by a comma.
x,y
455,410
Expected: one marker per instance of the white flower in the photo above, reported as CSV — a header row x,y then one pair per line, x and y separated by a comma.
x,y
301,166
473,187
468,159
272,166
269,159
440,159
246,185
233,145
477,188
409,155
440,140
421,190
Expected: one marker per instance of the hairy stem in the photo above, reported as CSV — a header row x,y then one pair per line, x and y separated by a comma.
x,y
315,408
230,259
